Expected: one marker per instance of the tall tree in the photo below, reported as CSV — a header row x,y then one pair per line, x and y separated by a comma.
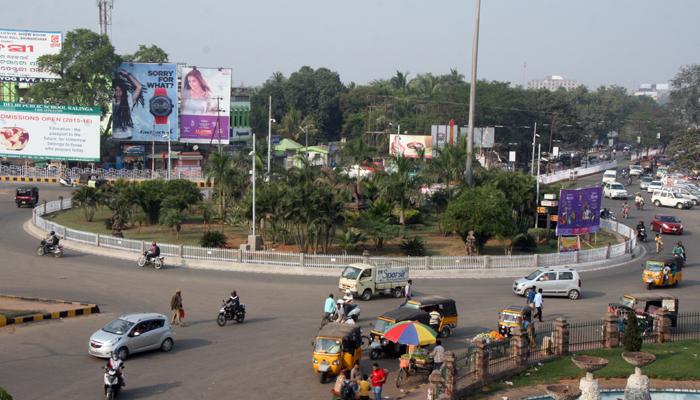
x,y
147,54
85,66
400,185
685,94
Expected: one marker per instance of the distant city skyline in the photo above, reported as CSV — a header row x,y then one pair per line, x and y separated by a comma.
x,y
594,42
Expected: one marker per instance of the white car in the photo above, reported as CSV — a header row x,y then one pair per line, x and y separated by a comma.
x,y
615,190
609,176
644,182
654,185
636,170
687,194
667,198
132,333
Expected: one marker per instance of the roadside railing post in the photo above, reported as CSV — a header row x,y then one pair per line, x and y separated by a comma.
x,y
662,325
482,360
302,261
561,337
611,332
427,260
97,239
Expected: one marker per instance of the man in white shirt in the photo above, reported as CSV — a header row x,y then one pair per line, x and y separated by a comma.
x,y
538,305
438,355
408,291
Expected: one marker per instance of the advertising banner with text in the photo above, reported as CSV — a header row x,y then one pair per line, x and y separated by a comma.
x,y
205,105
41,131
579,211
19,51
144,103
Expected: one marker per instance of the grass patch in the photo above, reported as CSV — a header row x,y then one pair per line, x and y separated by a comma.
x,y
674,361
17,313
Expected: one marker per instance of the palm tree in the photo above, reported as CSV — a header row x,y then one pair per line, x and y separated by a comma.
x,y
219,168
399,82
86,198
358,151
400,185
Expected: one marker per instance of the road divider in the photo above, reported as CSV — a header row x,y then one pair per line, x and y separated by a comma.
x,y
56,309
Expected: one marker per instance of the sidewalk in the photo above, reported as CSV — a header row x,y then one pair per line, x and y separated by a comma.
x,y
173,261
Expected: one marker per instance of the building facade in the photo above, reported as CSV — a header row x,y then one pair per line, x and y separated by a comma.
x,y
552,82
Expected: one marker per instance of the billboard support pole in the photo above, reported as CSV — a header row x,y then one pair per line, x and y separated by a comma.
x,y
537,183
169,155
269,138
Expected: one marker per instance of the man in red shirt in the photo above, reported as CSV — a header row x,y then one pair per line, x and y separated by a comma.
x,y
378,379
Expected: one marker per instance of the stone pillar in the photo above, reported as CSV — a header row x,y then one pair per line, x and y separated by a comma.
x,y
637,386
607,252
577,256
450,380
535,260
561,337
179,251
427,260
302,262
239,255
520,346
611,334
97,240
662,325
60,203
435,385
365,257
481,360
487,262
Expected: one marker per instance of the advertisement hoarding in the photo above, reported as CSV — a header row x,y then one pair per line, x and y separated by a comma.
x,y
411,146
205,105
144,105
579,211
42,131
569,243
19,51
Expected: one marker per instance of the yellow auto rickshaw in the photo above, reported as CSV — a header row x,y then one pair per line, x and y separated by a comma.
x,y
511,317
336,345
445,306
662,273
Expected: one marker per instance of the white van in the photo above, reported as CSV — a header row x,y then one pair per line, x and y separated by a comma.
x,y
367,279
609,176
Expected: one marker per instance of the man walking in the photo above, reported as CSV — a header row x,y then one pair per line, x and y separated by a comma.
x,y
538,304
438,354
176,308
378,379
530,301
659,243
408,291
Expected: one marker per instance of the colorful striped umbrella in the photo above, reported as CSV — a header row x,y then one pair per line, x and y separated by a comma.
x,y
411,333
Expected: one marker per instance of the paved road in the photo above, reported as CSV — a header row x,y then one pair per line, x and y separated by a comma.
x,y
269,356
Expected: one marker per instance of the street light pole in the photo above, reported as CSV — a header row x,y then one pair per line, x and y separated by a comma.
x,y
534,139
253,158
537,184
472,94
269,138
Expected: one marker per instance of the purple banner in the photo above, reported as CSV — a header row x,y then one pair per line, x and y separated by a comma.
x,y
579,211
204,129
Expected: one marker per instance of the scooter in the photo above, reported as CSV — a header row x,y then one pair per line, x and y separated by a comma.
x,y
112,383
65,181
642,234
44,249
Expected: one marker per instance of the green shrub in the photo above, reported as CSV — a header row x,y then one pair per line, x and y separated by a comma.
x,y
4,395
108,223
524,242
413,217
540,233
213,239
413,247
632,339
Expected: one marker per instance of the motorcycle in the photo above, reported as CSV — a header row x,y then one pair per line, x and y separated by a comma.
x,y
351,311
226,313
44,249
328,318
608,214
65,181
112,383
157,262
642,234
639,204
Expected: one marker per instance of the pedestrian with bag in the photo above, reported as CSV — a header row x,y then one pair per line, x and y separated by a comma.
x,y
530,300
176,308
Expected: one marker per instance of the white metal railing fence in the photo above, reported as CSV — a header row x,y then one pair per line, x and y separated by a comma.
x,y
340,261
576,172
111,173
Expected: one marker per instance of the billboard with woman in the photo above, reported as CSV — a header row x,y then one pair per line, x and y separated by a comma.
x,y
205,104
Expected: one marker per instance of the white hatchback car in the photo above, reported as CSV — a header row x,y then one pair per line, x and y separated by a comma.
x,y
615,190
654,185
552,281
636,170
132,333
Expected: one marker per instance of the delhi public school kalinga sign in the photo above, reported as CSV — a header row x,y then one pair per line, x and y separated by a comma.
x,y
19,51
41,131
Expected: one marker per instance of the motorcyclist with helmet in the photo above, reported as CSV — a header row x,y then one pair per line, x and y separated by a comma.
x,y
641,231
233,302
51,241
117,364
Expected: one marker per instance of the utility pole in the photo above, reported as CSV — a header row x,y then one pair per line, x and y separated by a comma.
x,y
253,157
537,184
269,139
534,139
472,95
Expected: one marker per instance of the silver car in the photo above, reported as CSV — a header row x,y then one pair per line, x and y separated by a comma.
x,y
132,333
552,281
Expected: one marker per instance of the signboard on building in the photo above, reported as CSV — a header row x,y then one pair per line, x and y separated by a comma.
x,y
205,105
41,131
411,146
20,50
144,106
579,211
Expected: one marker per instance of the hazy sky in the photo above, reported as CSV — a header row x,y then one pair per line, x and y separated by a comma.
x,y
596,42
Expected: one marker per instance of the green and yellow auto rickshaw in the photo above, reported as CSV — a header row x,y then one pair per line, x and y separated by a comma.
x,y
662,273
336,345
445,306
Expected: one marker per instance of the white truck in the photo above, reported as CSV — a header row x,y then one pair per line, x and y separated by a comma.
x,y
368,279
